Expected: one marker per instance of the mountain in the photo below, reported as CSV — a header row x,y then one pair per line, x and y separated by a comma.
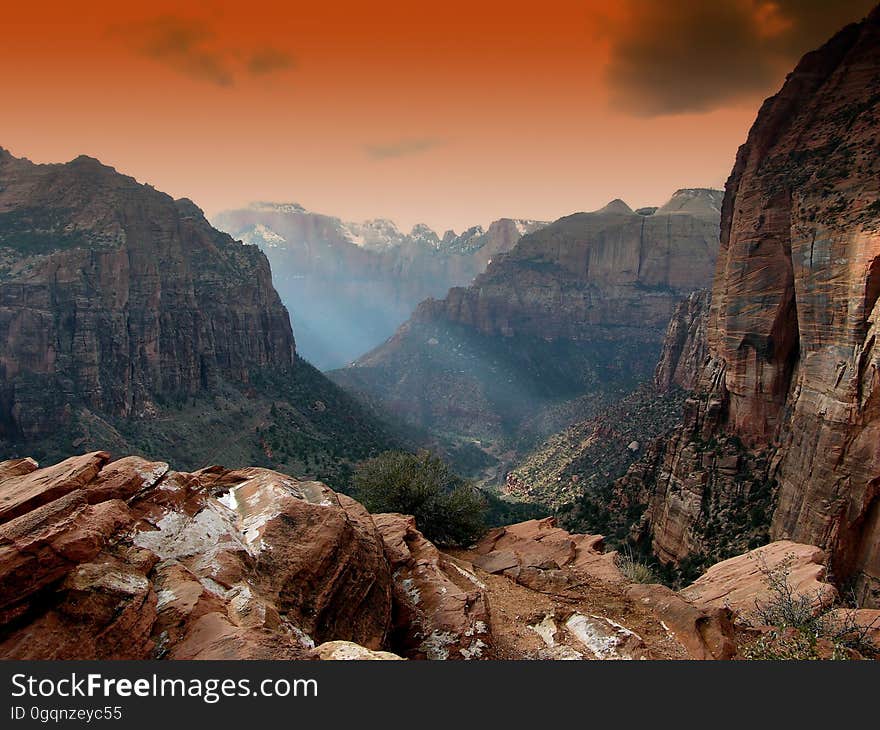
x,y
127,321
782,437
574,312
350,285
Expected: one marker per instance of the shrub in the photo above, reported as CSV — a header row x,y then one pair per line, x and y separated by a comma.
x,y
634,570
448,510
802,626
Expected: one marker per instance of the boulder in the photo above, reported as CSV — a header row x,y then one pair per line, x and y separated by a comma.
x,y
348,651
705,633
440,607
520,549
741,583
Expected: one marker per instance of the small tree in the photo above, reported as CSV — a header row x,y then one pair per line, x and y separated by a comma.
x,y
448,510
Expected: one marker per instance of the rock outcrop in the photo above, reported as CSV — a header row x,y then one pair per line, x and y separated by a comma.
x,y
684,350
743,583
440,609
377,273
792,369
130,560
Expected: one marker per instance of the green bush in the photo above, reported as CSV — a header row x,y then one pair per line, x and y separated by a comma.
x,y
448,510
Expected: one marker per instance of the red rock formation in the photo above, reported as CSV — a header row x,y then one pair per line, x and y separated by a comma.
x,y
609,272
112,295
440,606
742,583
129,560
793,324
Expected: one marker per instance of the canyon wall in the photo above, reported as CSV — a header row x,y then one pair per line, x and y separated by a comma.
x,y
113,294
793,370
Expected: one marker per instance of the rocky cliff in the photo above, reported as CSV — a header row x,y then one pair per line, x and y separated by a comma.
x,y
685,345
793,374
129,559
128,322
573,313
606,273
377,273
114,294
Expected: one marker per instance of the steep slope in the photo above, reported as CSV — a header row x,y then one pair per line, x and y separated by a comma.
x,y
574,311
792,383
127,320
350,285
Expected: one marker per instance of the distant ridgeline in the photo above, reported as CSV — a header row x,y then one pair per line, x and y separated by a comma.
x,y
129,324
348,286
574,313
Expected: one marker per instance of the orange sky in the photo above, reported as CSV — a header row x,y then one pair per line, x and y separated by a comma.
x,y
451,113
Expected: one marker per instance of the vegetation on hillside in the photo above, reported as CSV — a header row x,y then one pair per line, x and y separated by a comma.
x,y
448,510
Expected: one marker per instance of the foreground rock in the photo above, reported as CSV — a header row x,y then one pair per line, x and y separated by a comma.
x,y
128,560
348,651
743,583
440,606
534,553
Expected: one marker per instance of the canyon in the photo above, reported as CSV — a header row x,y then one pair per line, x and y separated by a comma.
x,y
377,273
570,318
128,322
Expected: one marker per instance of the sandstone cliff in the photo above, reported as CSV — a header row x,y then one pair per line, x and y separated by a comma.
x,y
114,294
793,369
684,346
608,273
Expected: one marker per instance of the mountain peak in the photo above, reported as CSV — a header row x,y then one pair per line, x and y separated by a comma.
x,y
263,206
694,201
616,206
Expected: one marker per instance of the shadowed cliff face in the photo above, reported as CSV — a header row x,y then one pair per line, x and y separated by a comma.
x,y
348,286
573,311
128,322
113,294
793,362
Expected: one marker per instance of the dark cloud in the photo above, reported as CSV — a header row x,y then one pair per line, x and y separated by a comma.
x,y
681,56
269,60
403,147
190,47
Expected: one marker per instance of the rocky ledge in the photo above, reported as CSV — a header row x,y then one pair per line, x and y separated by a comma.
x,y
129,559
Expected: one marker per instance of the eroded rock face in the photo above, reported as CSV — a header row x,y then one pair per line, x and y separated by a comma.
x,y
439,604
588,273
793,369
113,294
794,318
684,346
128,560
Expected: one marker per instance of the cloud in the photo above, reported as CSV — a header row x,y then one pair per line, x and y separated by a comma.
x,y
191,47
269,60
681,56
403,147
